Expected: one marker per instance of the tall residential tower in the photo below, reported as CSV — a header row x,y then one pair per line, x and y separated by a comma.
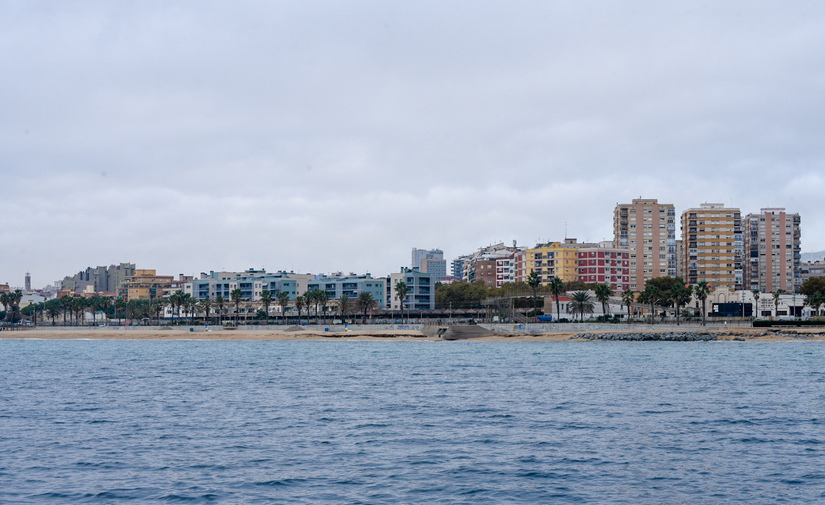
x,y
648,229
712,246
773,251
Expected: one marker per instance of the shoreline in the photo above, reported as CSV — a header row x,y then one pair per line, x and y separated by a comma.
x,y
302,334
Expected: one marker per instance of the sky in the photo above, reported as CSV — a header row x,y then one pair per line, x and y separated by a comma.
x,y
329,136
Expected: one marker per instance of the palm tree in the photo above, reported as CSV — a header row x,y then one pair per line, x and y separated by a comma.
x,y
5,299
79,307
365,302
581,304
311,298
266,301
132,309
652,295
53,309
557,288
534,281
14,299
206,306
680,295
156,307
236,295
191,307
283,301
401,291
322,297
776,296
220,302
603,294
628,297
701,290
300,301
756,294
120,305
66,305
344,305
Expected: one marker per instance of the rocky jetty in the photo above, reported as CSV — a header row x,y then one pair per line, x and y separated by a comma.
x,y
686,336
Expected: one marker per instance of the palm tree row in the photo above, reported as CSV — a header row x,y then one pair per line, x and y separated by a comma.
x,y
182,307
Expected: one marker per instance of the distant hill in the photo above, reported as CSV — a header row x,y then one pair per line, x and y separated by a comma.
x,y
813,256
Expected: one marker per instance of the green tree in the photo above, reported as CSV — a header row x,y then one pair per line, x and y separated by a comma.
x,y
156,307
603,293
300,301
344,306
53,309
556,286
628,298
776,297
66,305
812,285
401,291
266,301
534,281
651,294
5,299
581,304
815,301
680,295
702,290
236,295
323,299
120,307
283,302
756,294
365,302
206,306
220,302
460,295
79,308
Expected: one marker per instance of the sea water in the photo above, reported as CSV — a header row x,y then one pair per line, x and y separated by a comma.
x,y
411,422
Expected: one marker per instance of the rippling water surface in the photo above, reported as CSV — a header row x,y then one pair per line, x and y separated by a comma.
x,y
411,422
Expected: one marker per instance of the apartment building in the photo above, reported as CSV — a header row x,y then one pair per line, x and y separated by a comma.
x,y
352,286
430,261
772,251
494,265
551,259
421,286
604,264
648,229
712,246
145,284
251,283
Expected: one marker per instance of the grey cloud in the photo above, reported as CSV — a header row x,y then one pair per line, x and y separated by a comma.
x,y
336,136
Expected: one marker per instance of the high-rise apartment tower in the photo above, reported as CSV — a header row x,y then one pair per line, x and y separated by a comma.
x,y
648,229
712,246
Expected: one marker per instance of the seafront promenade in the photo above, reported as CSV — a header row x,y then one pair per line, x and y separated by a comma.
x,y
483,332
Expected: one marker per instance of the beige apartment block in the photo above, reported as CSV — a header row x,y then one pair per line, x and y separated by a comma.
x,y
712,246
648,229
773,251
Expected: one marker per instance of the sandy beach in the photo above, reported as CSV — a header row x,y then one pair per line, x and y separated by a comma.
x,y
295,333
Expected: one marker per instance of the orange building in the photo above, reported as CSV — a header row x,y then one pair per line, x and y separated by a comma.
x,y
145,285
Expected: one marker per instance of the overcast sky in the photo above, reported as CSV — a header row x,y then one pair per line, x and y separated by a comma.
x,y
335,136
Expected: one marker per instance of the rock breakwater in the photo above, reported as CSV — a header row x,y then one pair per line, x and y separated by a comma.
x,y
687,336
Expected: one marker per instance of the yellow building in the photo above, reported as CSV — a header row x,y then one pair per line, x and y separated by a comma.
x,y
145,285
553,259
